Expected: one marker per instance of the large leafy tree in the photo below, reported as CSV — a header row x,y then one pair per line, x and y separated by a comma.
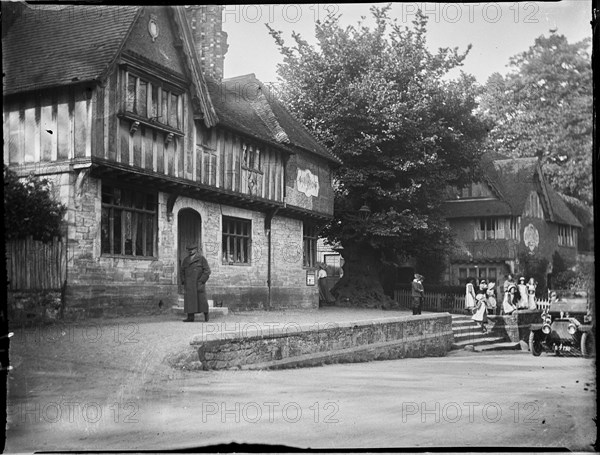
x,y
30,209
381,101
543,108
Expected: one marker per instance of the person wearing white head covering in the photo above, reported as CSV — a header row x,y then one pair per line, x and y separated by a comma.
x,y
531,285
508,306
469,296
522,303
490,294
480,315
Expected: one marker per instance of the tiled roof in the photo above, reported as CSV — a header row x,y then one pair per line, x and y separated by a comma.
x,y
50,46
512,179
245,104
582,212
476,208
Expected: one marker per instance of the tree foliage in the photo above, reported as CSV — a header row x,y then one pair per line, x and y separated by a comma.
x,y
29,209
381,101
543,108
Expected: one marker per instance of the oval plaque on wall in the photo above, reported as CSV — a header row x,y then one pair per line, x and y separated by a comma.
x,y
307,182
531,237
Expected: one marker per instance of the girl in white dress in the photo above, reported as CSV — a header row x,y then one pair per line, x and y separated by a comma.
x,y
522,290
509,296
480,315
531,285
470,296
491,297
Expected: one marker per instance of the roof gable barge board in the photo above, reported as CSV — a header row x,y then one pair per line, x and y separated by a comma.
x,y
200,93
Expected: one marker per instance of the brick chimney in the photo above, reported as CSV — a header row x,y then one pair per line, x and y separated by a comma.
x,y
206,22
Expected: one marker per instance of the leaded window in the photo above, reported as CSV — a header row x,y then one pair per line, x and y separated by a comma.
x,y
237,239
128,222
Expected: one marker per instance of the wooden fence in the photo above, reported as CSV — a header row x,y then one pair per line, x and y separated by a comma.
x,y
36,266
451,303
433,301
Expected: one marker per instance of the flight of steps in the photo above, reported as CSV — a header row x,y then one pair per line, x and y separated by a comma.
x,y
468,332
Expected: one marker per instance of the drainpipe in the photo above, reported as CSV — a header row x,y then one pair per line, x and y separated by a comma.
x,y
268,220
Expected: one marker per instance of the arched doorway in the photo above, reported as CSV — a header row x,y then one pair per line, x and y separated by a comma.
x,y
189,231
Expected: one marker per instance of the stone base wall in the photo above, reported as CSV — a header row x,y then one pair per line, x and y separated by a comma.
x,y
294,346
249,298
112,299
34,306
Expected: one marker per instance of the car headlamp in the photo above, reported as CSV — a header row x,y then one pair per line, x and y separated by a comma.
x,y
546,329
572,329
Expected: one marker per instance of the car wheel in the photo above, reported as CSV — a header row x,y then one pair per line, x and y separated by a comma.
x,y
535,344
588,344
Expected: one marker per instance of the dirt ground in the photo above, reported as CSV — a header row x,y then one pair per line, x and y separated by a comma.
x,y
104,385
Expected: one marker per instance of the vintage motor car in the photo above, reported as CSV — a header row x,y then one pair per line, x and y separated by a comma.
x,y
567,325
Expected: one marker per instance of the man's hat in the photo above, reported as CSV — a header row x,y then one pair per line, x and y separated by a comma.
x,y
192,246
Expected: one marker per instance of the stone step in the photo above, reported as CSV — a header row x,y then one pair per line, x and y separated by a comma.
x,y
466,328
472,336
212,310
457,318
502,346
463,321
477,342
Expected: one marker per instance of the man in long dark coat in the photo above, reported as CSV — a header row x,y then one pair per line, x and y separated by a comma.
x,y
417,294
194,275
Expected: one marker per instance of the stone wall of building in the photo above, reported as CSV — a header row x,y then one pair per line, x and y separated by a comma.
x,y
113,285
110,284
289,288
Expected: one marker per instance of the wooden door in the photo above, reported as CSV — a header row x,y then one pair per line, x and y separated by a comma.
x,y
189,231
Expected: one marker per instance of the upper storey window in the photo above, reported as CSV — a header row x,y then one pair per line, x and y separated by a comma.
x,y
475,190
152,100
534,208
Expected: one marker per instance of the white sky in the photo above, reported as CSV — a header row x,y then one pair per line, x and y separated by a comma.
x,y
497,31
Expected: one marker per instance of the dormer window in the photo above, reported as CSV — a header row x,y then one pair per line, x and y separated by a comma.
x,y
533,207
152,102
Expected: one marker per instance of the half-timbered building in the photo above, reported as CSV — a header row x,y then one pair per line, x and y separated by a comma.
x,y
508,215
124,109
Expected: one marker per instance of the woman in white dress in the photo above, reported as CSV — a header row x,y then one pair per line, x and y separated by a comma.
x,y
531,285
491,297
470,296
522,290
508,305
480,315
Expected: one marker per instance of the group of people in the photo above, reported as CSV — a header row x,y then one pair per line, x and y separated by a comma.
x,y
482,301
